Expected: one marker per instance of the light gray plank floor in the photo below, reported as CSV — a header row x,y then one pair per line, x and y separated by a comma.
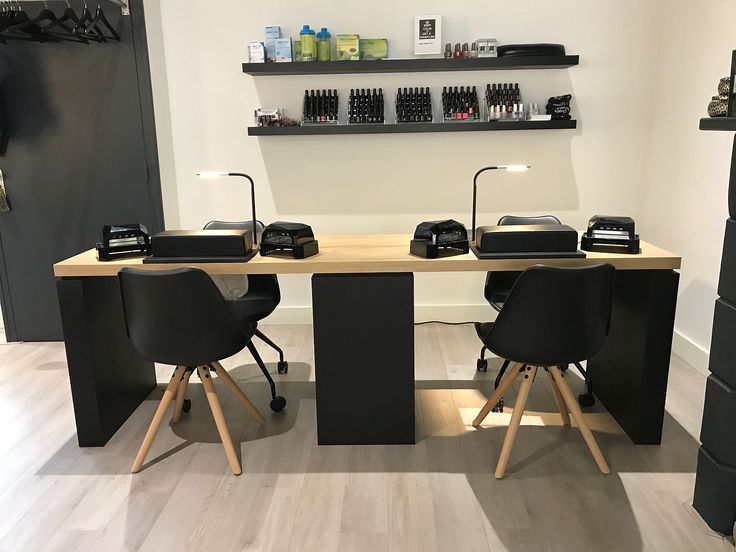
x,y
439,495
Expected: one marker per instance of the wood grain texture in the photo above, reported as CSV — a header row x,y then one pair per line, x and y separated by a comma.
x,y
435,496
371,253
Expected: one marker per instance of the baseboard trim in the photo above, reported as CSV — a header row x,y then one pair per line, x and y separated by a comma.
x,y
692,353
422,313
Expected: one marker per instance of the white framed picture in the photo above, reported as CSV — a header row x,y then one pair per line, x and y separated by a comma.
x,y
427,34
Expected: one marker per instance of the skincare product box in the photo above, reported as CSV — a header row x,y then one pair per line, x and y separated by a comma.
x,y
272,34
348,47
283,49
373,48
487,47
427,35
257,52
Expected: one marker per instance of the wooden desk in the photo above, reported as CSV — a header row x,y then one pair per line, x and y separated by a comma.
x,y
363,327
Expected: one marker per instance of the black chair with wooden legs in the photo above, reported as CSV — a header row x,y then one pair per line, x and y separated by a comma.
x,y
553,317
179,317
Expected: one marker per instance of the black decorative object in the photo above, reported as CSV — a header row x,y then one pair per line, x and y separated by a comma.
x,y
559,107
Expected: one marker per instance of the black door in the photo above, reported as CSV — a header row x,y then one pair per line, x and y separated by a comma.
x,y
80,152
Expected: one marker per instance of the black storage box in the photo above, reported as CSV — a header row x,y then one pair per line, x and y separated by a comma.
x,y
727,281
717,432
525,241
201,246
715,489
521,50
723,344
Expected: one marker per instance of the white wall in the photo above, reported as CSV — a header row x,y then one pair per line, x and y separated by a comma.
x,y
387,184
684,204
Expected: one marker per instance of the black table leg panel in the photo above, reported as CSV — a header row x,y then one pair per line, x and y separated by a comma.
x,y
732,183
364,358
717,431
723,343
629,374
727,279
715,489
109,379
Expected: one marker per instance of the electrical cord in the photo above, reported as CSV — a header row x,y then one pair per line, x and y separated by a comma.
x,y
442,322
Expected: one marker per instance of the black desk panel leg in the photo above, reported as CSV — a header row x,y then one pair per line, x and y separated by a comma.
x,y
364,358
108,378
629,374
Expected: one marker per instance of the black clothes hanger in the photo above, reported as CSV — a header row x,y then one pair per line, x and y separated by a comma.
x,y
100,18
28,29
59,28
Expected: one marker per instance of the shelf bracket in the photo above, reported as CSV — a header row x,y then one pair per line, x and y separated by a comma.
x,y
124,6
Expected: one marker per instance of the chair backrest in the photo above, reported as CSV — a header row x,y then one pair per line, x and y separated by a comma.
x,y
499,284
178,317
262,284
555,315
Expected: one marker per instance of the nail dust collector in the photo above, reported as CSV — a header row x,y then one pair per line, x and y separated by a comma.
x,y
122,241
439,238
607,231
290,238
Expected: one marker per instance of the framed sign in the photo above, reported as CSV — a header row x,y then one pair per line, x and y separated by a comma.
x,y
427,35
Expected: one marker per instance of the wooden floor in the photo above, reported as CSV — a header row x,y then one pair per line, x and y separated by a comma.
x,y
439,495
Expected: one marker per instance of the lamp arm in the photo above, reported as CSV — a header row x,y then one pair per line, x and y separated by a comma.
x,y
475,195
252,202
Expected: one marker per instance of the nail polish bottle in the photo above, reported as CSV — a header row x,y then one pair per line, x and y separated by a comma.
x,y
458,52
448,51
466,50
474,50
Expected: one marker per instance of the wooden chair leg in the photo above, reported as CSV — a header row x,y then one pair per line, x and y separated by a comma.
x,y
561,406
157,419
181,394
577,415
506,382
238,392
519,405
227,442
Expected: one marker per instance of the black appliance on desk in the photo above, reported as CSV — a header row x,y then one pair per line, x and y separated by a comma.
x,y
527,241
293,239
201,246
121,241
606,232
439,238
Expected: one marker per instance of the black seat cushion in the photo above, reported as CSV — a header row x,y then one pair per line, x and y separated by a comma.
x,y
483,329
252,307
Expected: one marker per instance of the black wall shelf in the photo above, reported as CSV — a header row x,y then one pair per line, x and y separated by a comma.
x,y
409,65
409,127
718,123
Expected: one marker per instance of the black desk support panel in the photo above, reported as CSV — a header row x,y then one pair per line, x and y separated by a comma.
x,y
364,358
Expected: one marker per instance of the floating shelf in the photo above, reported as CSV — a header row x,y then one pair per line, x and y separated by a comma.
x,y
718,123
399,128
414,65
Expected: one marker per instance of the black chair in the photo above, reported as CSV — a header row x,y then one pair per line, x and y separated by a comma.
x,y
498,284
262,297
179,317
553,317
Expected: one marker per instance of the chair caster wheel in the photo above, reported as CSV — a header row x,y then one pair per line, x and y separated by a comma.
x,y
283,367
586,399
187,406
278,403
482,365
499,406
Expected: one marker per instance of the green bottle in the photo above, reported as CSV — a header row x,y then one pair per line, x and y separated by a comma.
x,y
309,44
324,46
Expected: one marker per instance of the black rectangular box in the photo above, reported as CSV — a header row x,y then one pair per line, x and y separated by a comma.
x,y
719,413
723,343
715,493
526,240
201,246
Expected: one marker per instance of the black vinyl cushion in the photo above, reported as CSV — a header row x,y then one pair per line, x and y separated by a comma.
x,y
179,317
263,295
553,316
499,284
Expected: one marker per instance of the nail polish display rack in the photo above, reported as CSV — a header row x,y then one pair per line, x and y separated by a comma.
x,y
410,66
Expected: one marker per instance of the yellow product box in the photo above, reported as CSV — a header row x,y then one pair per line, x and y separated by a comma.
x,y
348,47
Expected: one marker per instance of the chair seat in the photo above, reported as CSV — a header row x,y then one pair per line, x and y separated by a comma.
x,y
252,307
483,329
